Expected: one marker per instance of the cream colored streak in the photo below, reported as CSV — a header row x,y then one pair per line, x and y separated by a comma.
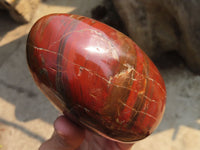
x,y
138,111
99,76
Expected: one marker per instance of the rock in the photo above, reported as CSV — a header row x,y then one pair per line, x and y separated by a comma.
x,y
107,14
20,10
164,25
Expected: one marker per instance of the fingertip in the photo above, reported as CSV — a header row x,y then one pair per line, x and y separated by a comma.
x,y
69,131
125,146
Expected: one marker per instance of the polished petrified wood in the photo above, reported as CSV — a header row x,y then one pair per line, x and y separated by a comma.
x,y
97,76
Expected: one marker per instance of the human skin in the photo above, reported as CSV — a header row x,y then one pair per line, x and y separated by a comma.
x,y
69,136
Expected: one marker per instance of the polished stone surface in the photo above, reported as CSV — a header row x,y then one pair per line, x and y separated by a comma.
x,y
97,74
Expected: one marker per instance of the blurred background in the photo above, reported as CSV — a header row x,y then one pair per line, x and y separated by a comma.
x,y
167,30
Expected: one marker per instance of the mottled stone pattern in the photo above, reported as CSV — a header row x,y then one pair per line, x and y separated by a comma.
x,y
159,26
96,74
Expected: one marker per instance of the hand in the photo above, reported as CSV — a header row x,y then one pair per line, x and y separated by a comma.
x,y
69,136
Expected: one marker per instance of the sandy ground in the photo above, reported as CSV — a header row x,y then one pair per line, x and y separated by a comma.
x,y
26,116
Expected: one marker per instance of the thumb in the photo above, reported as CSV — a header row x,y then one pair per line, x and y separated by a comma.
x,y
67,136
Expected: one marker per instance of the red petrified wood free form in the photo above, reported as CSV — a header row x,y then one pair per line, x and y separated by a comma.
x,y
96,75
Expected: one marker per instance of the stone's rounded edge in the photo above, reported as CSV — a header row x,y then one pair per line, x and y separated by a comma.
x,y
62,96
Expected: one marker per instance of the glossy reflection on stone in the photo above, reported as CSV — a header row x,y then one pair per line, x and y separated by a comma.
x,y
96,75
